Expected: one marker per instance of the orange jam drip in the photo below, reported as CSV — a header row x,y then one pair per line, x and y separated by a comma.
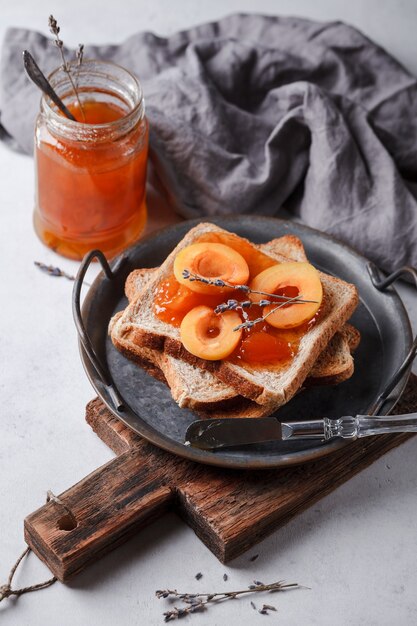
x,y
173,301
265,345
91,194
260,345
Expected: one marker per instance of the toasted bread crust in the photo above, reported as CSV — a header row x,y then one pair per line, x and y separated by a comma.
x,y
334,379
136,356
141,276
235,406
221,369
352,336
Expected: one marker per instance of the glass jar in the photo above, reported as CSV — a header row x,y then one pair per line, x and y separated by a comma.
x,y
91,173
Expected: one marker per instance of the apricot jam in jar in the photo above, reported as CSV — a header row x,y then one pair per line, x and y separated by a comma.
x,y
91,173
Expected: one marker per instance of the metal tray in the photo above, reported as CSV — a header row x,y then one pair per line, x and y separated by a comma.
x,y
382,361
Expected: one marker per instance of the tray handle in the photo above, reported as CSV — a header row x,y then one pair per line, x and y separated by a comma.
x,y
85,340
381,283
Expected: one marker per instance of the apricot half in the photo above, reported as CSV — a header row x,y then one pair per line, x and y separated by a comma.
x,y
289,279
212,261
210,336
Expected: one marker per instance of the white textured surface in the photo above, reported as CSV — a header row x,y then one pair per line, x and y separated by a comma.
x,y
356,549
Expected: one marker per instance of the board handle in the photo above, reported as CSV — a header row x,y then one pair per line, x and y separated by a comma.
x,y
381,284
85,340
99,513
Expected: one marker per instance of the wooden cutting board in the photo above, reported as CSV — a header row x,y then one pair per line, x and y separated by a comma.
x,y
229,510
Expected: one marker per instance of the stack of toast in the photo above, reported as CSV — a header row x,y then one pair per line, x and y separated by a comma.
x,y
225,388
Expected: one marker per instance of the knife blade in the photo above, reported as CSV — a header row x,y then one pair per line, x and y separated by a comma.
x,y
230,432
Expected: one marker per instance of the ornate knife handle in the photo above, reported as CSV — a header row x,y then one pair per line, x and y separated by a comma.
x,y
348,427
364,425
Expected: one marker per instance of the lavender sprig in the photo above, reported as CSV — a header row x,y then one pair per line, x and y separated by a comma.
x,y
55,30
250,323
265,608
53,271
195,602
79,55
218,282
234,305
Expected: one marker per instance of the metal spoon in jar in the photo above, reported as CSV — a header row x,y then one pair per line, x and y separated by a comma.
x,y
40,80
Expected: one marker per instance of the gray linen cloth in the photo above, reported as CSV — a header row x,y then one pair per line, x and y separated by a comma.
x,y
252,113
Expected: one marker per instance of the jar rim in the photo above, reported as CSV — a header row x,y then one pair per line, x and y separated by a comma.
x,y
115,124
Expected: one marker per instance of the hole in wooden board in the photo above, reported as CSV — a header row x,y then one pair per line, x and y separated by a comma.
x,y
66,522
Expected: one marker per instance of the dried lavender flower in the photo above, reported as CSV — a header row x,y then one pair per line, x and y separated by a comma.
x,y
247,324
53,271
201,601
234,305
176,612
164,593
79,55
55,30
217,282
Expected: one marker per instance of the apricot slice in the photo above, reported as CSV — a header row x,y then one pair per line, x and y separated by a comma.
x,y
257,261
290,279
210,336
212,261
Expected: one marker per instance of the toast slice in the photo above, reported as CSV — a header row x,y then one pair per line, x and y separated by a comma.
x,y
200,390
137,328
203,391
191,387
334,364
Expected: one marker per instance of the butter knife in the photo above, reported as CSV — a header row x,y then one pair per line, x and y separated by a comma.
x,y
213,434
